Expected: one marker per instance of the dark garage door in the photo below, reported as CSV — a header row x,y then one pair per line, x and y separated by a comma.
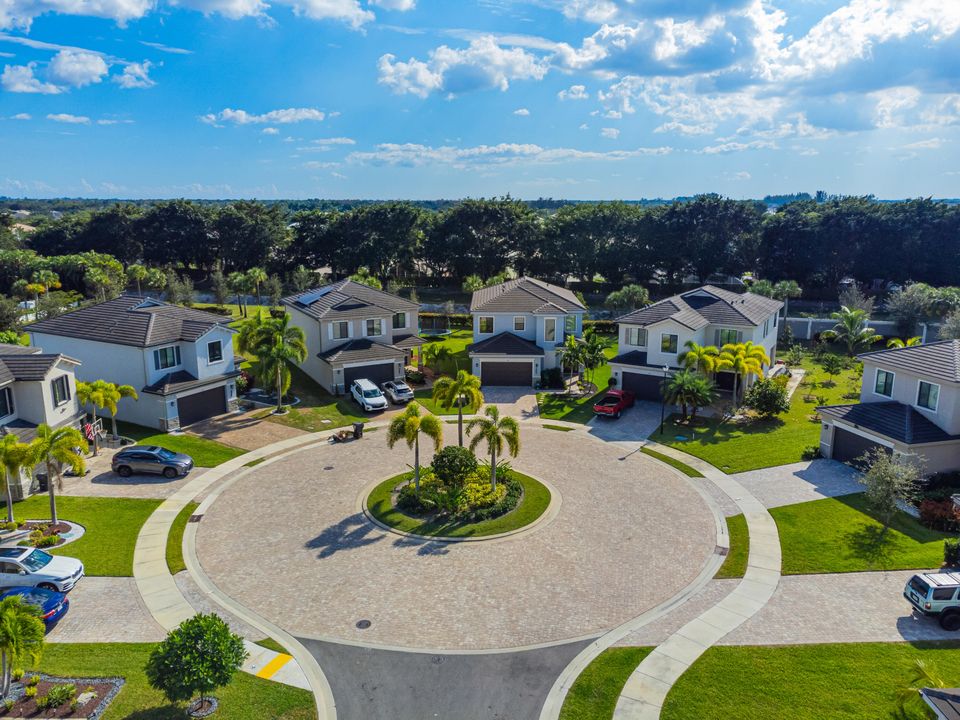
x,y
645,387
507,373
848,447
374,373
201,405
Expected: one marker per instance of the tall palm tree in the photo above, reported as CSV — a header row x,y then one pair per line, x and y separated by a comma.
x,y
496,431
593,352
257,276
699,357
14,455
239,284
21,637
743,360
107,395
94,395
571,354
54,449
277,343
898,343
457,392
137,273
408,426
249,330
852,329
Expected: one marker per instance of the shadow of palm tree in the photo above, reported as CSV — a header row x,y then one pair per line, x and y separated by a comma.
x,y
349,534
424,547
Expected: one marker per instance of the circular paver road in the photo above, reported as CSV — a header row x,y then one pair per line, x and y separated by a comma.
x,y
287,541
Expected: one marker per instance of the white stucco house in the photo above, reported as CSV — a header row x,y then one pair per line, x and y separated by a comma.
x,y
909,404
653,338
517,327
36,387
180,360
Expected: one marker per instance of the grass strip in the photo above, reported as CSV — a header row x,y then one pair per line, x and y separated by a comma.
x,y
175,561
673,462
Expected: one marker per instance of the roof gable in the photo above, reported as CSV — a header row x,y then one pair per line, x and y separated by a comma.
x,y
525,295
347,299
707,305
937,360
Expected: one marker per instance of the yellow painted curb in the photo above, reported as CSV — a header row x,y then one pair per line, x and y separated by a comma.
x,y
272,667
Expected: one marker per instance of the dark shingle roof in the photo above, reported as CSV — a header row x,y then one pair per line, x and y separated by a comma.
x,y
894,420
525,295
7,349
347,300
506,343
705,306
361,350
181,380
945,700
636,358
939,360
130,320
407,341
30,367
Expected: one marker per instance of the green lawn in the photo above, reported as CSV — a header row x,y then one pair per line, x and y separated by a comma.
x,y
735,564
673,462
271,644
112,526
423,397
580,410
175,539
316,405
762,443
804,682
839,535
457,341
205,453
246,698
593,695
536,498
234,311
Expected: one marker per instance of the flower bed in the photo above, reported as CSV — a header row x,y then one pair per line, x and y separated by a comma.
x,y
39,695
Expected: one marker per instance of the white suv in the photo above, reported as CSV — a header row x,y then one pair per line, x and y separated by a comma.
x,y
935,594
24,566
367,395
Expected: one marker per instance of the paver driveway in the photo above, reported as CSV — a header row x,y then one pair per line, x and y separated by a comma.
x,y
288,540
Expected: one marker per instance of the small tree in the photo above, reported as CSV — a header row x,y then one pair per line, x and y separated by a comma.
x,y
199,656
950,330
832,365
463,390
453,464
852,328
137,274
257,277
472,283
497,432
14,455
767,398
277,344
408,426
274,290
219,286
55,449
363,276
629,296
889,480
239,284
21,637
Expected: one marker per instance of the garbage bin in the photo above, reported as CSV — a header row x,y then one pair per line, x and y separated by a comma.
x,y
357,431
41,482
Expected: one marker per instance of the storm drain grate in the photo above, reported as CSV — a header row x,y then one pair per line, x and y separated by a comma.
x,y
195,518
721,550
363,624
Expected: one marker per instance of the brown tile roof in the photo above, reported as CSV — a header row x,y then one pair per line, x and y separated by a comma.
x,y
347,300
361,350
704,306
938,360
407,341
506,343
894,420
525,295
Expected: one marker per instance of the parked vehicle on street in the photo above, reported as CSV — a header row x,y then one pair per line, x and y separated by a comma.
x,y
31,567
614,403
140,459
367,395
52,604
935,594
398,392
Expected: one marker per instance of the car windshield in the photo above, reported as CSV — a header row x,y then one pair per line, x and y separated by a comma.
x,y
166,454
36,560
371,393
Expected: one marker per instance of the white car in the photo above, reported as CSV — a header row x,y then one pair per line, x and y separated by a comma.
x,y
23,566
398,391
367,395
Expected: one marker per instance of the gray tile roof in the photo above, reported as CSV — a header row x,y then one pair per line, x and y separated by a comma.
x,y
346,300
506,343
7,349
181,380
894,420
525,295
704,306
938,360
407,341
637,358
361,350
945,700
30,367
131,320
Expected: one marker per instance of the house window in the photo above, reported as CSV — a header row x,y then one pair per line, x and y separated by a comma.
x,y
928,395
61,390
374,327
550,330
636,336
399,321
167,357
6,402
766,327
727,337
884,383
486,325
519,323
340,330
668,343
214,351
570,324
775,316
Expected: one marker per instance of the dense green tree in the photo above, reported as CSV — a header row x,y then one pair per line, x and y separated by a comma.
x,y
177,232
250,233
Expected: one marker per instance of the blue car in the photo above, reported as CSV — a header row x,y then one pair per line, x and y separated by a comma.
x,y
53,605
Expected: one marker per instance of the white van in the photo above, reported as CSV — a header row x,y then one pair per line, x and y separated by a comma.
x,y
935,594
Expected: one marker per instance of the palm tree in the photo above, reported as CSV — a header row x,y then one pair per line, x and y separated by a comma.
x,y
256,276
702,392
249,329
137,273
21,637
54,449
239,284
459,391
14,455
571,354
784,290
439,355
898,343
699,357
743,360
923,676
593,352
113,394
496,431
851,329
408,426
277,343
92,394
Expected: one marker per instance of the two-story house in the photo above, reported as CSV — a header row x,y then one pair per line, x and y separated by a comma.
x,y
354,331
653,338
517,327
36,387
179,360
909,404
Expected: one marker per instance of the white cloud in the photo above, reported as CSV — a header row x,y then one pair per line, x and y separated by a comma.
x,y
19,14
584,126
78,69
166,48
930,144
135,75
68,118
400,5
742,175
522,112
730,147
575,92
270,131
233,9
685,129
21,116
610,133
334,141
279,117
21,79
112,121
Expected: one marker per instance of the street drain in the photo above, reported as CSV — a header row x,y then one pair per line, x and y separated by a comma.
x,y
328,467
721,551
363,624
195,518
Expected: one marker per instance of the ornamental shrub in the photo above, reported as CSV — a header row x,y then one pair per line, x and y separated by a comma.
x,y
477,496
551,379
767,398
453,464
951,552
940,515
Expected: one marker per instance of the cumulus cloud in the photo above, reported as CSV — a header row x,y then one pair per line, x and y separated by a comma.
x,y
522,112
135,75
270,131
21,79
574,92
730,147
68,118
285,116
78,69
610,133
19,14
21,116
401,5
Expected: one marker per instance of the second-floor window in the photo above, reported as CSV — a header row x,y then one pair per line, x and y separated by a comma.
x,y
6,402
167,357
766,327
61,390
399,321
374,327
669,343
485,325
519,323
570,324
550,330
340,330
214,351
884,383
928,395
727,337
636,337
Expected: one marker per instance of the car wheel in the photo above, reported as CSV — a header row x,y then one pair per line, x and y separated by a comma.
x,y
169,473
950,621
124,471
49,586
617,416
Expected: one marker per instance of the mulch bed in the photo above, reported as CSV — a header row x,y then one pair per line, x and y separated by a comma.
x,y
103,690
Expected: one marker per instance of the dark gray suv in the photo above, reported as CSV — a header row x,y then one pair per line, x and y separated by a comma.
x,y
141,459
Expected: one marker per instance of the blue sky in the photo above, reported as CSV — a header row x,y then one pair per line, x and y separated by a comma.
x,y
587,99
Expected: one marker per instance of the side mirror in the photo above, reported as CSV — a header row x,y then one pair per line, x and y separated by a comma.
x,y
22,572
